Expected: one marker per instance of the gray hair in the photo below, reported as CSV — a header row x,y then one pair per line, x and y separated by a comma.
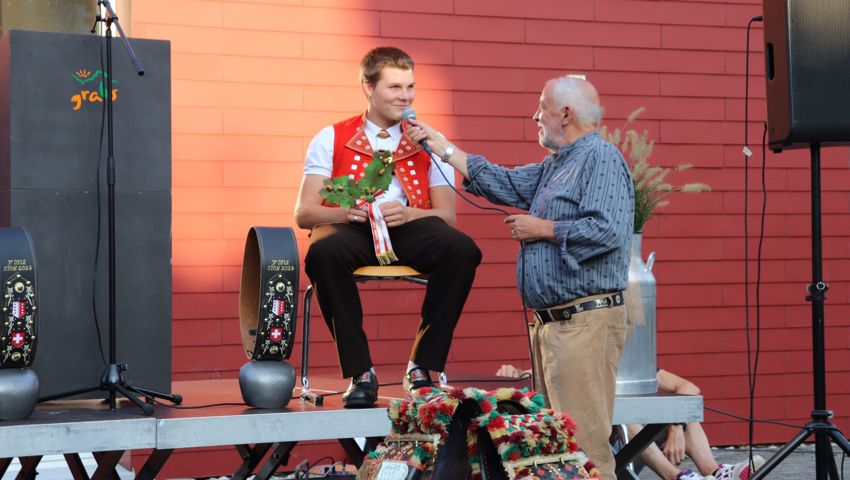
x,y
580,96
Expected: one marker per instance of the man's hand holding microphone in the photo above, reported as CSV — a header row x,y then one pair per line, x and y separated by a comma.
x,y
434,142
524,227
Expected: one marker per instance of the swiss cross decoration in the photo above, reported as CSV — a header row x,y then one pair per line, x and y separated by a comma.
x,y
18,339
276,334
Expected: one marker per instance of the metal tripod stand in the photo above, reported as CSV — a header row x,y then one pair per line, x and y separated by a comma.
x,y
820,426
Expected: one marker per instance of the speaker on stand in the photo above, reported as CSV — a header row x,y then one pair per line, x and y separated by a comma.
x,y
808,99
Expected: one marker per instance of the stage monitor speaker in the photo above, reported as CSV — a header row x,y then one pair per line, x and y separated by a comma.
x,y
51,112
807,53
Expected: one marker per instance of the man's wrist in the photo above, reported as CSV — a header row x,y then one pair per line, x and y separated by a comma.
x,y
448,152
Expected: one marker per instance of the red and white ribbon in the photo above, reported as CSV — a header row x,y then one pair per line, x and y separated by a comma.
x,y
380,233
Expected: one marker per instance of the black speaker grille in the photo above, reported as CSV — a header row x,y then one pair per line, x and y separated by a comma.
x,y
820,68
808,52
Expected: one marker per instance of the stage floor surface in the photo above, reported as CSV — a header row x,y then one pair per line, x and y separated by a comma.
x,y
74,426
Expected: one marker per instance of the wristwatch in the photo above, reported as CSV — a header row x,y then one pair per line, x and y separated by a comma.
x,y
448,153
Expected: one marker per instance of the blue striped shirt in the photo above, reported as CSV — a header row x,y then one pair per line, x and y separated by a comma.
x,y
586,188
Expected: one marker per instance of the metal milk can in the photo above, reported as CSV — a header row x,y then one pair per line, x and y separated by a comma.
x,y
636,375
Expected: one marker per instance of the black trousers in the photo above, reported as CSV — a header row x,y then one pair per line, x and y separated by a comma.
x,y
430,246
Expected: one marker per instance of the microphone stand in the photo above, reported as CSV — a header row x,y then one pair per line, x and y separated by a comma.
x,y
113,380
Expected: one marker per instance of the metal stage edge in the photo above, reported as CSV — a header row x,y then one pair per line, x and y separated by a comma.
x,y
72,427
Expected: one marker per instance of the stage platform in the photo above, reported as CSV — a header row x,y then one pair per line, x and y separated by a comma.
x,y
71,427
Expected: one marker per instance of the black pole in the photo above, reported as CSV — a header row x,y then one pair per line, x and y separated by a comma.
x,y
817,292
112,19
818,288
110,182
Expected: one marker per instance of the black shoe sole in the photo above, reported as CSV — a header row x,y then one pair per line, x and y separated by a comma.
x,y
358,404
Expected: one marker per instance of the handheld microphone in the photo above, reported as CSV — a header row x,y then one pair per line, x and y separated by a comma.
x,y
408,114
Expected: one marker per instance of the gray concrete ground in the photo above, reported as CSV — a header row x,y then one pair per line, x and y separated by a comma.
x,y
800,464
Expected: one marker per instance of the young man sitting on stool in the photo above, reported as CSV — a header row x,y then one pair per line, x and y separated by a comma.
x,y
419,210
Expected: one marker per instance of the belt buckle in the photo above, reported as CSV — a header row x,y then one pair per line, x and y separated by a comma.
x,y
602,302
542,316
552,315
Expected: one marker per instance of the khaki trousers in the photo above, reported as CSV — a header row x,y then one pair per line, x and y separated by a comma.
x,y
575,368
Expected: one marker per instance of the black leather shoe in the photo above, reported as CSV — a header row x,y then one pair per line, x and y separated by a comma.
x,y
363,391
416,379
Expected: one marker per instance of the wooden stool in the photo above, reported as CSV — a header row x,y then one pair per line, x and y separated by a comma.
x,y
362,274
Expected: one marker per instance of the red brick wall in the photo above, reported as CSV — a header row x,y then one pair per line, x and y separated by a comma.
x,y
253,80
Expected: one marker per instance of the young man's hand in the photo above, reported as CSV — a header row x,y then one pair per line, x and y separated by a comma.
x,y
394,213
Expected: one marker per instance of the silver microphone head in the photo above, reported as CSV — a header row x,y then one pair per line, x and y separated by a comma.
x,y
408,113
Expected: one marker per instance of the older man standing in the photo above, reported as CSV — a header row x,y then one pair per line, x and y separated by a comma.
x,y
573,265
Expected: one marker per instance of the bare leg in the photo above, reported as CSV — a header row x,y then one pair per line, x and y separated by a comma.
x,y
697,447
654,458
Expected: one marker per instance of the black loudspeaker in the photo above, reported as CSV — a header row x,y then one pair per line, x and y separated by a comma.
x,y
807,52
51,110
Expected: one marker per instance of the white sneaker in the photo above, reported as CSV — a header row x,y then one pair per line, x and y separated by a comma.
x,y
688,474
738,471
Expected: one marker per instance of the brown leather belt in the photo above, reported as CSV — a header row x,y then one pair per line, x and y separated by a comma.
x,y
557,314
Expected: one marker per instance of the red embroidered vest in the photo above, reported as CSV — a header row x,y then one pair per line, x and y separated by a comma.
x,y
353,152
